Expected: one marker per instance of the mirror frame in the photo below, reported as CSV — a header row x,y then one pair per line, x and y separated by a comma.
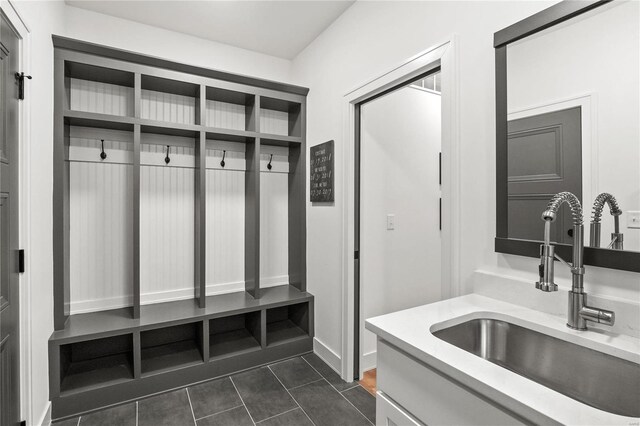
x,y
556,14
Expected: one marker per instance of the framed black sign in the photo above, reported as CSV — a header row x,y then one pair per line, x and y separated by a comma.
x,y
321,160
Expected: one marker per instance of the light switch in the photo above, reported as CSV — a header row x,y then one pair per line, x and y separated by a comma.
x,y
391,222
633,220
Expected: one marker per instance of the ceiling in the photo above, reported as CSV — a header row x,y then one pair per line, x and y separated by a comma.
x,y
277,28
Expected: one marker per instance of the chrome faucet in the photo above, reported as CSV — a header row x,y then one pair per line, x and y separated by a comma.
x,y
598,205
579,313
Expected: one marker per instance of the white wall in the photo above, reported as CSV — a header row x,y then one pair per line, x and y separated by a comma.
x,y
369,39
45,18
399,268
599,56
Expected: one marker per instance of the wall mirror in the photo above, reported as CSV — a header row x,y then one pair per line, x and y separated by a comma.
x,y
568,119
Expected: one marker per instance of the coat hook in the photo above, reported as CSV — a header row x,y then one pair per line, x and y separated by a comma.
x,y
167,159
103,155
269,166
224,154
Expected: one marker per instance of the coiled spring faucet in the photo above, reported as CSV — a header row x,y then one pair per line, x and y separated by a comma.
x,y
579,313
616,236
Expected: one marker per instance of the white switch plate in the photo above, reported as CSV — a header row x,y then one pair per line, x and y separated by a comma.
x,y
391,222
633,220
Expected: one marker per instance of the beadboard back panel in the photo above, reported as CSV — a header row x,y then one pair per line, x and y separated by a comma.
x,y
167,201
168,107
225,115
225,230
274,122
274,219
100,201
103,98
101,223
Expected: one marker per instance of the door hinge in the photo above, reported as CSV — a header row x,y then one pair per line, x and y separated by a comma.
x,y
20,77
356,254
21,261
23,423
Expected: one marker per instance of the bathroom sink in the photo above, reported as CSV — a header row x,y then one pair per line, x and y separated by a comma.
x,y
594,378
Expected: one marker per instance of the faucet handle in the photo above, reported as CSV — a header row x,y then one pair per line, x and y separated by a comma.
x,y
545,269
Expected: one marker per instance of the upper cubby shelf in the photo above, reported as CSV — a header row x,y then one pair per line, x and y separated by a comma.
x,y
280,117
102,121
169,100
227,109
100,90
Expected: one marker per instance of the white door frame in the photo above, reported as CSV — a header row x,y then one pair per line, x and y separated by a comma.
x,y
24,62
443,55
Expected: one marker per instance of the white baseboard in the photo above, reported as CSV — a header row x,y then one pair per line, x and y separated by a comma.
x,y
274,281
85,306
369,361
331,358
45,418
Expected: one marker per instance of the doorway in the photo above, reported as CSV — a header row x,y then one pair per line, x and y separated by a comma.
x,y
9,226
398,206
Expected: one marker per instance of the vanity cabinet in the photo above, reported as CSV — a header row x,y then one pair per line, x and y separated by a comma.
x,y
411,393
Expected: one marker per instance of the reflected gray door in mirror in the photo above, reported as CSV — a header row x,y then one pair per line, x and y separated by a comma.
x,y
544,158
582,60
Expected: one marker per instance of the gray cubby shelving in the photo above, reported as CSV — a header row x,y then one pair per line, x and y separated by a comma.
x,y
170,348
111,356
235,334
95,363
287,323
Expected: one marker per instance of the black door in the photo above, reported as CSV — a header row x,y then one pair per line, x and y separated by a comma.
x,y
544,158
9,317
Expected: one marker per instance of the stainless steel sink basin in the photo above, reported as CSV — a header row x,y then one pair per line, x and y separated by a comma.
x,y
594,378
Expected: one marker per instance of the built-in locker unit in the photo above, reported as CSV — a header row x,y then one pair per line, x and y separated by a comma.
x,y
179,226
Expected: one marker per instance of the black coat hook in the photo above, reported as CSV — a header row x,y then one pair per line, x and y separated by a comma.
x,y
167,159
224,154
269,166
103,155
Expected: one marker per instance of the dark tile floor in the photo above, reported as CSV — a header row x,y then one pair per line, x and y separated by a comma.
x,y
302,391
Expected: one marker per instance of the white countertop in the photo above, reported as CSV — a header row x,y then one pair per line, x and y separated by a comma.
x,y
410,330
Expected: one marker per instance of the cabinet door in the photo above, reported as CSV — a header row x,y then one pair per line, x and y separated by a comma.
x,y
389,413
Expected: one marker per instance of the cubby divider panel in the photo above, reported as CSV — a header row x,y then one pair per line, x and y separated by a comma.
x,y
234,335
95,363
170,348
287,323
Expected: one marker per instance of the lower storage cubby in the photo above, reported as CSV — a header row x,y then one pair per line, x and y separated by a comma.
x,y
170,348
287,323
234,335
95,363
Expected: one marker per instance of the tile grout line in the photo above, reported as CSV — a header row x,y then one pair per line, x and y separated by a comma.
x,y
334,388
193,415
136,413
269,418
219,412
352,387
292,397
305,384
347,399
79,417
242,400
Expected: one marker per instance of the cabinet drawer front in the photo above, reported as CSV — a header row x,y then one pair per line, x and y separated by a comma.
x,y
431,397
388,413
